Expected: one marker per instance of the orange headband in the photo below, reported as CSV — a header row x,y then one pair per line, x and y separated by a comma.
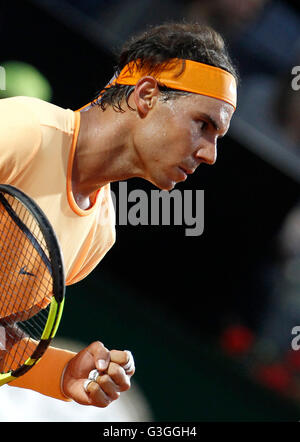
x,y
193,76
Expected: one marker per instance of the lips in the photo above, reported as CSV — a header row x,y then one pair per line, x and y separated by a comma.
x,y
186,170
182,173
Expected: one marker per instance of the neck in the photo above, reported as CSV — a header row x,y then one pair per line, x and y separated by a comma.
x,y
104,152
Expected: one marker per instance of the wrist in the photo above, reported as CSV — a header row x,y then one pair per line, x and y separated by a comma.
x,y
62,382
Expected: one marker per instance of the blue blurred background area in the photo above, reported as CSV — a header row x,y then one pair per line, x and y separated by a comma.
x,y
209,318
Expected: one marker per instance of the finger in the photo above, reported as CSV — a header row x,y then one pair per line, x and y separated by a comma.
x,y
119,357
118,375
100,354
96,395
129,367
107,384
111,389
125,359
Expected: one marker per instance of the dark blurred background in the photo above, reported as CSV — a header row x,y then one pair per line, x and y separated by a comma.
x,y
209,318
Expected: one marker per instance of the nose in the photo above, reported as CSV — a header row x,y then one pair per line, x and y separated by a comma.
x,y
207,153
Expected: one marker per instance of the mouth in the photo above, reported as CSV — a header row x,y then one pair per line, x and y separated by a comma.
x,y
182,172
186,171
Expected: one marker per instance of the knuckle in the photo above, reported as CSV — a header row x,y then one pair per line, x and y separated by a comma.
x,y
115,371
96,344
115,395
104,403
125,384
130,368
108,387
131,372
100,399
101,345
103,380
93,387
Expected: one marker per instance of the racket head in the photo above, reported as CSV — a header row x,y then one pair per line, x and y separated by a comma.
x,y
32,283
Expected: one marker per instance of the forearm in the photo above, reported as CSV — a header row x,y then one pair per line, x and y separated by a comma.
x,y
45,376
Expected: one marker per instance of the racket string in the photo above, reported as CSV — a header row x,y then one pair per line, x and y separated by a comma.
x,y
11,248
25,285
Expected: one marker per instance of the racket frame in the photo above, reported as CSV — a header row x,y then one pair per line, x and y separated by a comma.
x,y
58,277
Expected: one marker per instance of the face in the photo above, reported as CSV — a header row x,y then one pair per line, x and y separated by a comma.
x,y
179,134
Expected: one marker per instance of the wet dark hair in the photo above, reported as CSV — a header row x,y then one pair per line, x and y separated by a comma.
x,y
156,46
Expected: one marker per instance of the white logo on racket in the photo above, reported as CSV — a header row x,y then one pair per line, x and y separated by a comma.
x,y
2,338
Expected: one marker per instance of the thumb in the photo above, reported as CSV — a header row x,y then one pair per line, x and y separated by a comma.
x,y
100,354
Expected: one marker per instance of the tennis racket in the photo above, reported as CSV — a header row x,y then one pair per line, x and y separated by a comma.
x,y
32,283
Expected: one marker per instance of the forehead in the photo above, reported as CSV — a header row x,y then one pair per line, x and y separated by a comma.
x,y
219,111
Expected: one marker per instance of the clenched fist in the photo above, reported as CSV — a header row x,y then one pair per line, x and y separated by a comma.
x,y
97,376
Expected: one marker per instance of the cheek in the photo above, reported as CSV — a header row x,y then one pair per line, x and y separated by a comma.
x,y
185,133
186,139
145,137
194,138
167,137
159,136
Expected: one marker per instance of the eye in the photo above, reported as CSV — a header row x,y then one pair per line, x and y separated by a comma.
x,y
202,124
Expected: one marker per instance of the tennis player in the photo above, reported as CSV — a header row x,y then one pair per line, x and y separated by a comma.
x,y
172,96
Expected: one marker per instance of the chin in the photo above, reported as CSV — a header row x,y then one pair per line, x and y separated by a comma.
x,y
166,185
169,187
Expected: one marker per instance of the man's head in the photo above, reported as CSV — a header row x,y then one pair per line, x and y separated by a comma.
x,y
173,130
157,46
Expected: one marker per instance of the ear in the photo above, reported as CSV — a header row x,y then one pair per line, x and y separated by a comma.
x,y
145,95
